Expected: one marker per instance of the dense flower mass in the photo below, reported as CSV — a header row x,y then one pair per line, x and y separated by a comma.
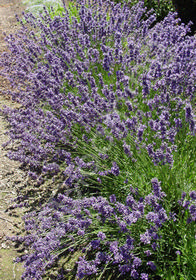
x,y
98,74
104,232
107,98
63,222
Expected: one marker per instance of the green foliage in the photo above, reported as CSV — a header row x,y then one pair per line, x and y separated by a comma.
x,y
161,7
179,247
54,7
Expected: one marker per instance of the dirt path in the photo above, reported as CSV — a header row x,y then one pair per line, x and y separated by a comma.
x,y
10,174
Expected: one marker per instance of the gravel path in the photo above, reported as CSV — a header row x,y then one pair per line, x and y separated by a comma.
x,y
11,176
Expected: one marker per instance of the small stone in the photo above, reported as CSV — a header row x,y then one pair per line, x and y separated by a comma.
x,y
3,245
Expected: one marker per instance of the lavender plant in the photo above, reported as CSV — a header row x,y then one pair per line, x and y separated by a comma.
x,y
161,7
136,239
104,75
107,103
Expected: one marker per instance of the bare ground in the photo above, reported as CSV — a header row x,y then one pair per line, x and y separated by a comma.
x,y
11,176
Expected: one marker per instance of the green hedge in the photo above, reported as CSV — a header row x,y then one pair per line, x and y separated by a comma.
x,y
161,7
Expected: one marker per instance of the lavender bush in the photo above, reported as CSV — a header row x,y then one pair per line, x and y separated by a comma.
x,y
161,7
98,77
107,103
130,239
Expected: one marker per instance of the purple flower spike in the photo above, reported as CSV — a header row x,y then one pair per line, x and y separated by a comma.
x,y
152,265
188,112
134,274
95,243
157,188
144,276
101,235
115,169
137,262
193,195
113,198
85,268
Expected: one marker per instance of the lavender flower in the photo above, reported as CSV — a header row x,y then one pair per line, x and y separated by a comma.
x,y
113,198
101,235
95,82
144,276
74,222
152,265
193,195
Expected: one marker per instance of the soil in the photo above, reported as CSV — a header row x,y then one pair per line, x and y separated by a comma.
x,y
11,175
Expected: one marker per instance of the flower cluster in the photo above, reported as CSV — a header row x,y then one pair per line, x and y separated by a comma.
x,y
106,232
189,205
105,97
103,72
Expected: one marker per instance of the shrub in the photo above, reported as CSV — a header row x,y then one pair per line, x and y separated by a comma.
x,y
139,238
107,103
100,81
161,7
37,6
186,11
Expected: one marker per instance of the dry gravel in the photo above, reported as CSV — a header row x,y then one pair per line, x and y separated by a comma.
x,y
11,176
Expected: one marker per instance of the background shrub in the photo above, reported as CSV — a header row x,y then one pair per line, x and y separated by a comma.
x,y
186,11
161,7
37,6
